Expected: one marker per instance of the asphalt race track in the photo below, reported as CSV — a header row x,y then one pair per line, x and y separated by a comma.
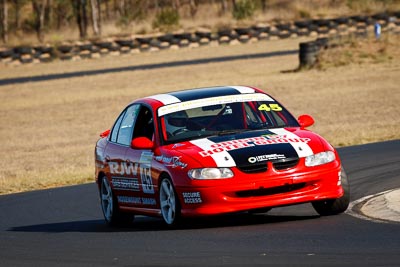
x,y
64,227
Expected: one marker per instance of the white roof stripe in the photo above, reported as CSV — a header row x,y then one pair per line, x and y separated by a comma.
x,y
166,99
243,89
212,101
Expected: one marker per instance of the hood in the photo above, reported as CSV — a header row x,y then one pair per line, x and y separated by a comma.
x,y
250,148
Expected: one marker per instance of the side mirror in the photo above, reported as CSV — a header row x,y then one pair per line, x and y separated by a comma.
x,y
105,133
142,143
305,121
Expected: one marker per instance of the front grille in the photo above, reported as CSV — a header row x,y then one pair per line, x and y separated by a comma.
x,y
270,191
285,164
263,166
254,168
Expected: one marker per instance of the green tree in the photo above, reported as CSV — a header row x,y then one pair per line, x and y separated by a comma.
x,y
243,9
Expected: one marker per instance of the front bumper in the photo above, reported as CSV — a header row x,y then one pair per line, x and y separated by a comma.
x,y
271,189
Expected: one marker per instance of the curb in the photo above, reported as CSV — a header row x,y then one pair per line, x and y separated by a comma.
x,y
381,207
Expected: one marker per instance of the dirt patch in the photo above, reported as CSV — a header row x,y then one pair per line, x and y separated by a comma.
x,y
360,51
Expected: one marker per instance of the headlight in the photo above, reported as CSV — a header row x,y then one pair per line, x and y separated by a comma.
x,y
320,158
210,173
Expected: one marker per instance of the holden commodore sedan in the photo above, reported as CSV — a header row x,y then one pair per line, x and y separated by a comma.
x,y
215,150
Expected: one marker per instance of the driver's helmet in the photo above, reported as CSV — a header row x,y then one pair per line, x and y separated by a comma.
x,y
175,121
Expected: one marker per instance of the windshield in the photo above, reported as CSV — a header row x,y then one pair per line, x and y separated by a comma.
x,y
184,123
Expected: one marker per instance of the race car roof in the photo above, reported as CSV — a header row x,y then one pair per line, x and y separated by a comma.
x,y
201,93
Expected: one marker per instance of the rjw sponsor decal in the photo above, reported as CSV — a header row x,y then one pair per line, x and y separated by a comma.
x,y
250,142
124,168
133,170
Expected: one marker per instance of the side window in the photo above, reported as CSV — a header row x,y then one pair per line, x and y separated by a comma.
x,y
145,125
115,129
124,136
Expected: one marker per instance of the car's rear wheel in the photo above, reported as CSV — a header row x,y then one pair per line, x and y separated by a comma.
x,y
112,214
169,202
335,206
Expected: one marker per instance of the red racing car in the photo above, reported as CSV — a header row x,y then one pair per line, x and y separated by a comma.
x,y
212,151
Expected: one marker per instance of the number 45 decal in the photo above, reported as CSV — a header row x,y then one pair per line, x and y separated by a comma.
x,y
145,175
269,107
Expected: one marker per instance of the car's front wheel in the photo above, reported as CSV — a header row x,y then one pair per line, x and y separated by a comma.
x,y
335,206
169,202
112,215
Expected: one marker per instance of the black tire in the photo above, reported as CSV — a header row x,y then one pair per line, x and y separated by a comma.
x,y
23,50
243,31
85,47
109,205
322,22
225,32
308,54
335,206
381,16
261,29
274,33
303,23
169,202
183,36
303,33
166,38
44,49
6,53
201,34
341,20
312,27
65,48
104,44
283,26
144,40
125,42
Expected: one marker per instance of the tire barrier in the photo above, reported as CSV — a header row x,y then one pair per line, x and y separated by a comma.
x,y
308,54
309,51
359,25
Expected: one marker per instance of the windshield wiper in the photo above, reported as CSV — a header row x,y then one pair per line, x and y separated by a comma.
x,y
258,125
231,131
